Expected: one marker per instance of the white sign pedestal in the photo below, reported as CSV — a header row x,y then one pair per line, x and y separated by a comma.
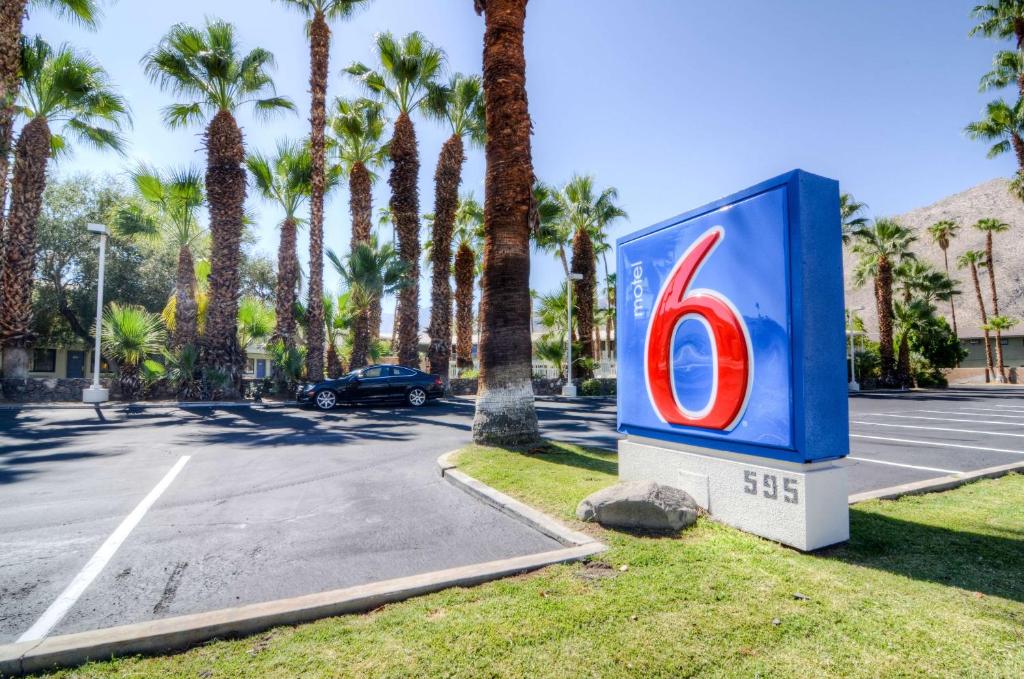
x,y
801,505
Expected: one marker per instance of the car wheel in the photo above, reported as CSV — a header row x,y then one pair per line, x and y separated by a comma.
x,y
326,400
416,397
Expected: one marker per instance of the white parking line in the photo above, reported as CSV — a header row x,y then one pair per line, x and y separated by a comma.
x,y
60,607
1017,409
1005,412
950,419
900,464
964,412
936,443
958,431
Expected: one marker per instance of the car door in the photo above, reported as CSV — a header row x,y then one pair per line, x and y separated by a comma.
x,y
373,384
401,379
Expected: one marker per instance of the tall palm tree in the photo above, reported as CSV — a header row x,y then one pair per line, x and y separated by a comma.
x,y
1002,19
459,103
370,272
339,314
469,224
992,226
255,321
942,233
1003,124
551,234
320,13
587,212
285,179
408,67
880,248
998,324
972,259
62,93
851,213
205,67
129,336
12,16
505,413
174,200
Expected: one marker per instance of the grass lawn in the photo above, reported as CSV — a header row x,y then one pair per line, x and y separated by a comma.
x,y
928,586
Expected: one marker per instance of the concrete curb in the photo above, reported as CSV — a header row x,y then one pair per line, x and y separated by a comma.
x,y
118,405
523,513
171,634
936,485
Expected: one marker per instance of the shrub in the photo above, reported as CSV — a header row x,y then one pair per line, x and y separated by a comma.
x,y
595,387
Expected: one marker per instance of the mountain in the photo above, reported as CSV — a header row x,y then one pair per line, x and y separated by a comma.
x,y
990,199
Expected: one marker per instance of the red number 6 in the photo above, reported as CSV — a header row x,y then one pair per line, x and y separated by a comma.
x,y
731,361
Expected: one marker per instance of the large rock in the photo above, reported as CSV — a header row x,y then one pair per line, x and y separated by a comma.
x,y
643,505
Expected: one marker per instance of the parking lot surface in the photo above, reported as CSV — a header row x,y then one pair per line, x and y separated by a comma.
x,y
193,510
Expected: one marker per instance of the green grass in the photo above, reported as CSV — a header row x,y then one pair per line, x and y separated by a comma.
x,y
928,586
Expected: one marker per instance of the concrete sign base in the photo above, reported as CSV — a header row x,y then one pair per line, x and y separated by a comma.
x,y
801,505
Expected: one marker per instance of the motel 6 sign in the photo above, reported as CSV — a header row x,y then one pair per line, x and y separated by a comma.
x,y
730,325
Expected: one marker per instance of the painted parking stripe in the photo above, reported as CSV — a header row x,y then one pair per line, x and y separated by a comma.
x,y
60,607
900,464
958,431
950,419
938,444
964,412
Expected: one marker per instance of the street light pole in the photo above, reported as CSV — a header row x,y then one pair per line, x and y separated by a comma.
x,y
570,389
96,393
853,385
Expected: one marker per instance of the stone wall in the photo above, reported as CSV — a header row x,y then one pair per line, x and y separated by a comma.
x,y
44,389
976,376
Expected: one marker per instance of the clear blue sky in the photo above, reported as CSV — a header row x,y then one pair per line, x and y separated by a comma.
x,y
675,102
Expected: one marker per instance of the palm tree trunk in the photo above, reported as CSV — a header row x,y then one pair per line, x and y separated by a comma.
x,y
185,307
446,200
319,57
990,265
12,13
583,297
465,262
360,203
903,363
505,413
225,188
405,211
27,188
984,321
360,339
1001,369
287,281
883,303
564,259
952,304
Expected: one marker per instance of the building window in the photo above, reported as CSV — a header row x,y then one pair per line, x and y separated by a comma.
x,y
44,360
1004,342
250,366
975,341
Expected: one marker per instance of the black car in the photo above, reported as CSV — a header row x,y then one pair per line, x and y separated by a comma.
x,y
373,383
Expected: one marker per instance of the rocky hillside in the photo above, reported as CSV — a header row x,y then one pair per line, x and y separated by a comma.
x,y
990,199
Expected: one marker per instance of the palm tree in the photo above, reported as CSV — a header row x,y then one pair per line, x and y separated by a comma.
x,y
586,213
851,216
942,233
998,324
469,224
12,15
370,272
505,413
460,104
551,233
173,200
205,67
339,315
1004,125
130,335
551,349
1002,19
255,321
972,259
320,13
285,179
408,69
62,92
881,248
990,226
908,316
358,132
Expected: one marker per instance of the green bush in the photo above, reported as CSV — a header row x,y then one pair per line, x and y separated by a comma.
x,y
594,387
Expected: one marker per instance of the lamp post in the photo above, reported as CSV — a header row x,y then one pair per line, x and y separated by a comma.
x,y
96,393
853,385
570,389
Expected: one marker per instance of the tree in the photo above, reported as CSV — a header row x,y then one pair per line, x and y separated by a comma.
x,y
1003,19
505,413
285,179
972,259
339,314
1003,124
469,225
992,226
358,134
205,67
880,248
551,233
370,271
851,216
460,104
255,321
998,324
12,14
552,350
408,68
131,335
170,210
320,13
942,233
62,93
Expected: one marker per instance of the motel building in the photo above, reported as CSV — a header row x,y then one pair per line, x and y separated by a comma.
x,y
972,368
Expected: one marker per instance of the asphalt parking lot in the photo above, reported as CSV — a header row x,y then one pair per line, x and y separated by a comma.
x,y
198,509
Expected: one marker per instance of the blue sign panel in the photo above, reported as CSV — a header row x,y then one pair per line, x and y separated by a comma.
x,y
730,324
